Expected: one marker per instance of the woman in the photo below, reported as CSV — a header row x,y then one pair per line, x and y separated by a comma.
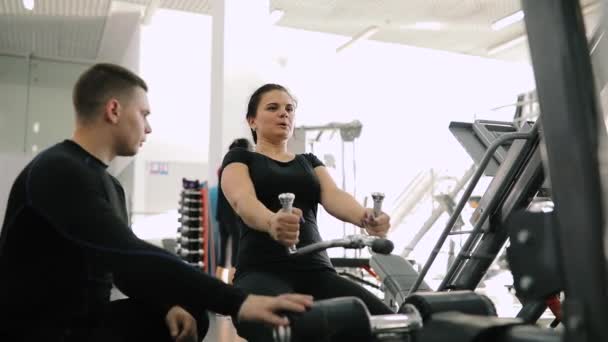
x,y
228,225
252,181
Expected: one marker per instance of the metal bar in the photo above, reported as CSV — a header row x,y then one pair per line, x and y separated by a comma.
x,y
406,203
332,126
531,311
516,156
480,256
462,232
599,53
496,193
484,134
567,99
436,214
465,196
530,333
527,184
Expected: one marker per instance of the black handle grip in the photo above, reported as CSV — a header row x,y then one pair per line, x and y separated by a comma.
x,y
338,319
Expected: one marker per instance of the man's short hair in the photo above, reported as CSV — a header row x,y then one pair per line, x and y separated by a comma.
x,y
101,82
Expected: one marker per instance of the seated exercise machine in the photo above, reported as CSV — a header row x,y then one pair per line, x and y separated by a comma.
x,y
556,245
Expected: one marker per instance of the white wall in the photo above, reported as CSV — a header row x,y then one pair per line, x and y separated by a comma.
x,y
13,96
33,93
10,166
36,98
175,62
36,92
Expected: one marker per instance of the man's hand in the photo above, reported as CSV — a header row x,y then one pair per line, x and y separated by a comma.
x,y
377,226
263,308
182,326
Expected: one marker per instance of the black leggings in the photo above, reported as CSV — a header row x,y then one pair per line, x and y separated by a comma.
x,y
320,284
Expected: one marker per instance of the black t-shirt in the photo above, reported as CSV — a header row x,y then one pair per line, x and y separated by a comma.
x,y
65,238
257,250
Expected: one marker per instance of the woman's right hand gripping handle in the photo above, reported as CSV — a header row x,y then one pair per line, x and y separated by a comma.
x,y
284,227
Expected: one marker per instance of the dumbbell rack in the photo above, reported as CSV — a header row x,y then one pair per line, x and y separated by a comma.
x,y
193,232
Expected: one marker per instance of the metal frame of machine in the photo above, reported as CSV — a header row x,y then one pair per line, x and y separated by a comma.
x,y
571,126
567,235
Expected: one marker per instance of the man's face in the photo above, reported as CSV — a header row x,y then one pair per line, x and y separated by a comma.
x,y
132,126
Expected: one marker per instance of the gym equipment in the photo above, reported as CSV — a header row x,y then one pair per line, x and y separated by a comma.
x,y
348,133
517,180
467,302
355,241
286,200
186,201
574,139
198,264
377,197
574,142
346,319
184,252
185,218
186,230
184,240
458,316
574,134
193,233
420,186
397,276
477,137
187,210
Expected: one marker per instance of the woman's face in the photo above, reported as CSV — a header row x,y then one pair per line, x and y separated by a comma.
x,y
275,115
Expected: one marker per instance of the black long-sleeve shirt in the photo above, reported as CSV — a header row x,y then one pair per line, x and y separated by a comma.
x,y
65,239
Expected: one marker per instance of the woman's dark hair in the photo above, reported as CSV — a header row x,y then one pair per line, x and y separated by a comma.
x,y
254,102
241,143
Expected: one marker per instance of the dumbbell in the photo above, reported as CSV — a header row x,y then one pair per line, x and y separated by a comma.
x,y
190,184
185,218
189,201
189,252
189,247
186,230
188,210
183,240
196,264
190,192
192,197
191,224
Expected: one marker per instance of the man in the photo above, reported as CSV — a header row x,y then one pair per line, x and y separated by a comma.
x,y
65,240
